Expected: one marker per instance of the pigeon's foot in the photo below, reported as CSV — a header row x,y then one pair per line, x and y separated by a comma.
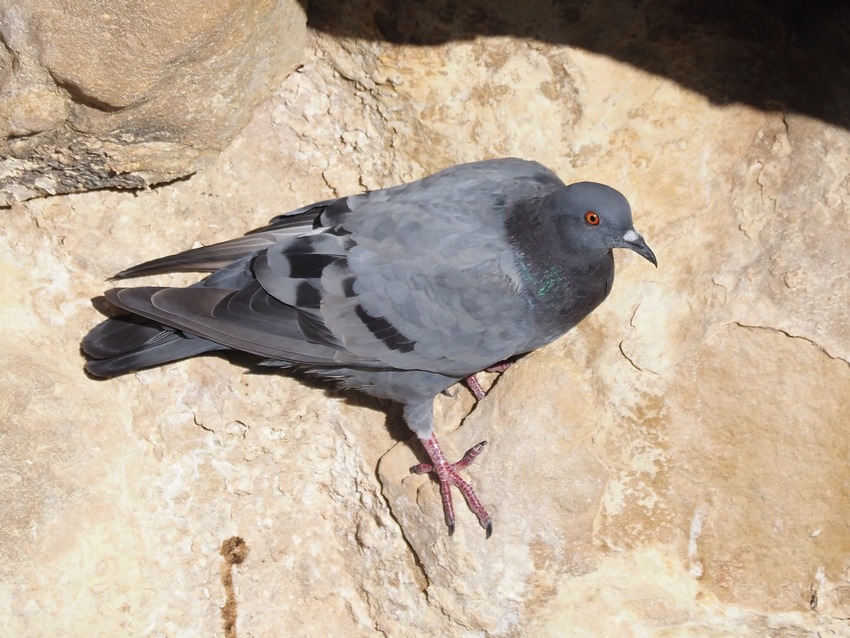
x,y
475,385
447,474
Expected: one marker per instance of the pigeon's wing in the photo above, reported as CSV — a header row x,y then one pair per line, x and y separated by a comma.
x,y
232,307
247,320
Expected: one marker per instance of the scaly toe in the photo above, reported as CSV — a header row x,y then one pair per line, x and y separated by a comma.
x,y
448,476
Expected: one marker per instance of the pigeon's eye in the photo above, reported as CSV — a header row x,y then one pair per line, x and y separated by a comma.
x,y
591,218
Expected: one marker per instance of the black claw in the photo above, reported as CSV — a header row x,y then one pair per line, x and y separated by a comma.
x,y
451,528
489,531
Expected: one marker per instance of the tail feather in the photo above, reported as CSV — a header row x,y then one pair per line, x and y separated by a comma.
x,y
129,343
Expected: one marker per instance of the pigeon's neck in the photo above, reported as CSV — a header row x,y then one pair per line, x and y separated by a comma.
x,y
563,283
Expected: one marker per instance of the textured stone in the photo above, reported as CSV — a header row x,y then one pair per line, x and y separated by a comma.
x,y
676,466
125,94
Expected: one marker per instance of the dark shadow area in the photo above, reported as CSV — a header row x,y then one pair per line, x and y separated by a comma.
x,y
394,421
786,55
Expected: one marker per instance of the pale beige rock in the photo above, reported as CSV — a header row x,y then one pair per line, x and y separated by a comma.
x,y
126,94
676,466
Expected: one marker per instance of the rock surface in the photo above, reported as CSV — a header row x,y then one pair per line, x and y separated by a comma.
x,y
676,466
126,94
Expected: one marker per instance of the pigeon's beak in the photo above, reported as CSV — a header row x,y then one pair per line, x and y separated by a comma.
x,y
633,241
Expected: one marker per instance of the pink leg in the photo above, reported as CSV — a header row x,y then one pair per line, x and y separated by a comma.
x,y
475,385
447,474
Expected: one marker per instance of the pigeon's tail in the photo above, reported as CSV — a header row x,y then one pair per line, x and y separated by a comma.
x,y
129,343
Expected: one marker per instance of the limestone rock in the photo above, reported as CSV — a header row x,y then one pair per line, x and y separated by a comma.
x,y
126,94
676,466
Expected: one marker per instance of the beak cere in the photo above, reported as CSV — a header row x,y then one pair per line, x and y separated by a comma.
x,y
633,241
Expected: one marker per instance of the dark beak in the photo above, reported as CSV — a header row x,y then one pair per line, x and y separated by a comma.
x,y
634,241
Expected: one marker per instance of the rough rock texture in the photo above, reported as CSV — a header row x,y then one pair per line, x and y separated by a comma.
x,y
676,466
124,94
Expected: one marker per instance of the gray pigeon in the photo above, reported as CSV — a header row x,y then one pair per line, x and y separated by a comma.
x,y
399,292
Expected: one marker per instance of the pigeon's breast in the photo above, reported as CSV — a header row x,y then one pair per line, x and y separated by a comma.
x,y
563,295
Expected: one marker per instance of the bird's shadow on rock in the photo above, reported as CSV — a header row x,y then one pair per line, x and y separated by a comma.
x,y
394,422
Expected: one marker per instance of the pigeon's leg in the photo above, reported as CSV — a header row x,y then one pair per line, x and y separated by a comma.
x,y
447,474
475,385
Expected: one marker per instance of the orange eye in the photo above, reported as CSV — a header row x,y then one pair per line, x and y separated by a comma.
x,y
591,218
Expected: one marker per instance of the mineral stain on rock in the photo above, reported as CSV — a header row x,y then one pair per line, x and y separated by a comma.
x,y
234,551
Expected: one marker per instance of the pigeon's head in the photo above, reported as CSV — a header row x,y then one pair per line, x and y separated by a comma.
x,y
593,217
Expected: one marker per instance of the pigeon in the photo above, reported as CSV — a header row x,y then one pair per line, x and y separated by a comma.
x,y
399,293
